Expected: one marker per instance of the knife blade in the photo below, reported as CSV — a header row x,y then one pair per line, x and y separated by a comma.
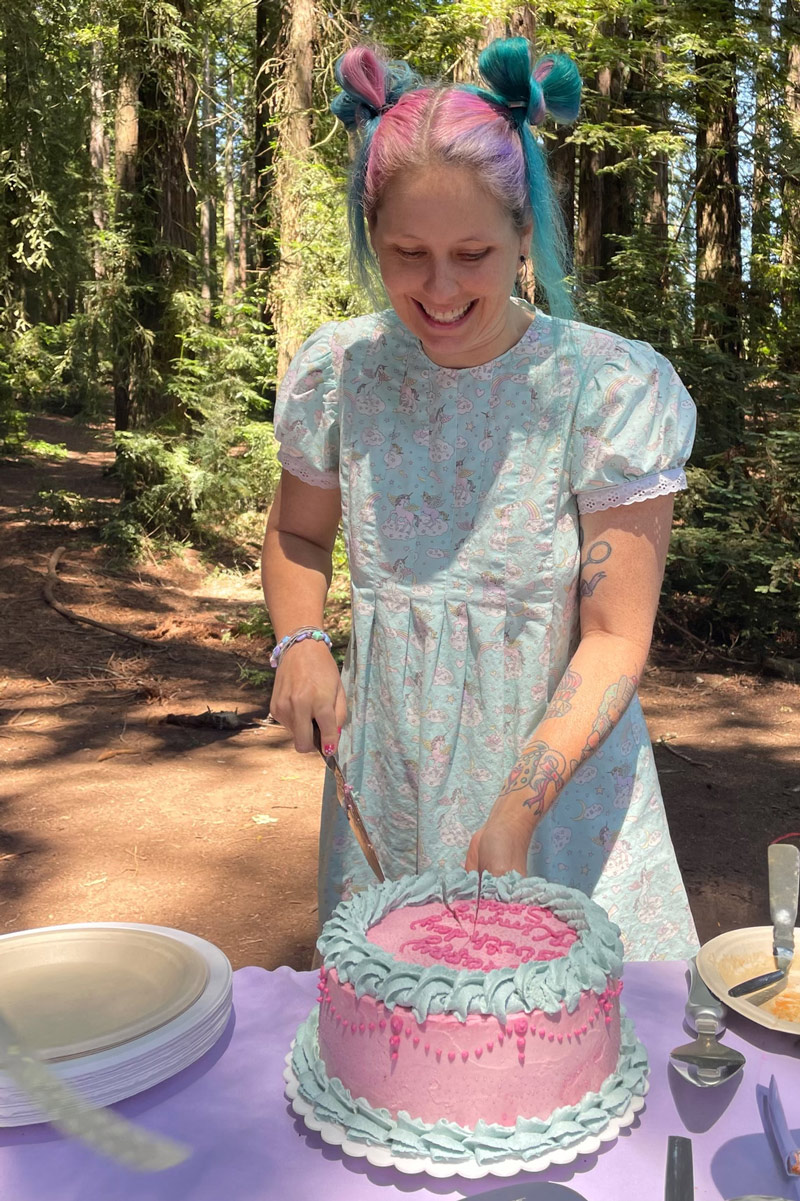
x,y
784,885
344,795
477,902
679,1179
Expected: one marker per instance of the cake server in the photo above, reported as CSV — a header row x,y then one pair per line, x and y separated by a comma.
x,y
705,1062
344,794
784,885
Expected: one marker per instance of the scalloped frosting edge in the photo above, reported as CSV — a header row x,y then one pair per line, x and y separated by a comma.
x,y
545,985
447,1142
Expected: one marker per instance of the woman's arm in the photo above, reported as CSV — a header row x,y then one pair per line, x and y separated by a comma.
x,y
623,552
296,573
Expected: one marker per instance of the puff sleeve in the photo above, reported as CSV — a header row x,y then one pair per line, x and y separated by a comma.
x,y
306,412
633,431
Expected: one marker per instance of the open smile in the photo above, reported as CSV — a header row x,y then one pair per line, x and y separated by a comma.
x,y
445,318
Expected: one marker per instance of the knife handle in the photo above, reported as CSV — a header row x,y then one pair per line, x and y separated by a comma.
x,y
679,1182
704,1012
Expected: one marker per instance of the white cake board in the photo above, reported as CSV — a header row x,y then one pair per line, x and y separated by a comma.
x,y
469,1168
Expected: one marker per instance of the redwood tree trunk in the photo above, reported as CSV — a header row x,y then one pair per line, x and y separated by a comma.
x,y
264,243
156,209
229,206
98,155
208,203
294,142
718,208
790,191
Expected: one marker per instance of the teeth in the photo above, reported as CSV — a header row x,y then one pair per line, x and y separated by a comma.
x,y
448,317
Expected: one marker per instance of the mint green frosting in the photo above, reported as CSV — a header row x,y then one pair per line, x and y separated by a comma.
x,y
595,956
446,1141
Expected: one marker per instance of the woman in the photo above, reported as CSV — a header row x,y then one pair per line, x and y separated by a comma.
x,y
505,480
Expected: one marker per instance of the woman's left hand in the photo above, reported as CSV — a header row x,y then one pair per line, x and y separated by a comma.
x,y
499,846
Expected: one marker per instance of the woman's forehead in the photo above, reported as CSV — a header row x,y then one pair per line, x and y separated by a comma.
x,y
444,200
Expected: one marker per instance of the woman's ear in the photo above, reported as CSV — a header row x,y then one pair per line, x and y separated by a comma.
x,y
525,235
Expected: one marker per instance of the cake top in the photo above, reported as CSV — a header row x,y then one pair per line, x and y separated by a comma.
x,y
378,960
496,934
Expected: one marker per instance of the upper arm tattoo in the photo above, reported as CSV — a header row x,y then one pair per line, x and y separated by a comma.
x,y
597,553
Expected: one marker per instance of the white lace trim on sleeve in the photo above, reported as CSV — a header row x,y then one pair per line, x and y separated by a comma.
x,y
297,466
660,483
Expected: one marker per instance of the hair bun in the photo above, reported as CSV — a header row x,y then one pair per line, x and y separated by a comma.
x,y
561,84
553,85
369,85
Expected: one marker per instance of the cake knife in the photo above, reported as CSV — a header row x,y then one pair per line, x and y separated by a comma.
x,y
344,795
784,884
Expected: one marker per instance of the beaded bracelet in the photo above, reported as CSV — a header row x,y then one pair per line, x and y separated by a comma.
x,y
298,636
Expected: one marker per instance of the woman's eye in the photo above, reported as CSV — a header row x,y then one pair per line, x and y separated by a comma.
x,y
409,254
476,257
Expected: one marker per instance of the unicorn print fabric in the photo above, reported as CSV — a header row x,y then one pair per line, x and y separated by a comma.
x,y
461,490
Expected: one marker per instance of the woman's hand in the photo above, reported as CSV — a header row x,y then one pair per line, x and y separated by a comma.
x,y
308,685
499,846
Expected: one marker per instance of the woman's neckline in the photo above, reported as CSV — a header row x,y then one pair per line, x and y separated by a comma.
x,y
533,326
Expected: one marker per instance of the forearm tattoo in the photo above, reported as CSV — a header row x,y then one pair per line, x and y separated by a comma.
x,y
540,774
616,699
560,702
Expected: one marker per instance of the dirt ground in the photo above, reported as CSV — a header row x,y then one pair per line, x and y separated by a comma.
x,y
107,813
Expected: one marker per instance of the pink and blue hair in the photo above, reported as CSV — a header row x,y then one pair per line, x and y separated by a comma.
x,y
405,124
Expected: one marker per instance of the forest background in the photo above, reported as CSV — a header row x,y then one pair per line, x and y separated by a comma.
x,y
172,226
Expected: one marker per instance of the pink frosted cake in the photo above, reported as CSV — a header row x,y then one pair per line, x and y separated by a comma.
x,y
441,1036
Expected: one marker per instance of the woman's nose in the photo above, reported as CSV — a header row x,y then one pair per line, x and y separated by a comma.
x,y
441,283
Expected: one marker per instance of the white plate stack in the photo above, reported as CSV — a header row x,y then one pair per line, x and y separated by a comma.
x,y
113,1008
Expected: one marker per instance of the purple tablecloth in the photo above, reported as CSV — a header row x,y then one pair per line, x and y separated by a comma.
x,y
248,1146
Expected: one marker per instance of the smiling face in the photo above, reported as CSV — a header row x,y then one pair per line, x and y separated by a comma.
x,y
448,254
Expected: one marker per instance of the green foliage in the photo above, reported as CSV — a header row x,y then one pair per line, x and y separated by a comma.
x,y
734,569
205,486
62,505
47,450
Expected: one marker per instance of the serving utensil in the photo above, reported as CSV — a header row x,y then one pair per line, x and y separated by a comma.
x,y
679,1177
344,794
776,1125
784,886
705,1062
104,1131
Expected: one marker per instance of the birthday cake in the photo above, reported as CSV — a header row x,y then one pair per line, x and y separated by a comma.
x,y
446,1031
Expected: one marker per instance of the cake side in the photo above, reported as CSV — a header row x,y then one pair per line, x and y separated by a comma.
x,y
481,1069
528,1139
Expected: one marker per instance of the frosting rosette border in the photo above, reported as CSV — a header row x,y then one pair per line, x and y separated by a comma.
x,y
546,985
448,1142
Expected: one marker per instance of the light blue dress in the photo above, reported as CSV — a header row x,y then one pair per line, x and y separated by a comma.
x,y
461,490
